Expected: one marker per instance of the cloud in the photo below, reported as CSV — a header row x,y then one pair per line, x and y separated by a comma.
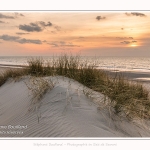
x,y
22,15
134,41
128,14
54,44
18,15
44,41
6,37
100,18
62,44
54,32
23,41
2,21
58,28
2,16
33,24
125,42
13,16
130,37
20,40
42,23
135,14
21,33
121,38
33,27
128,42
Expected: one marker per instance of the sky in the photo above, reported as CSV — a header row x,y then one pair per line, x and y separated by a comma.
x,y
94,33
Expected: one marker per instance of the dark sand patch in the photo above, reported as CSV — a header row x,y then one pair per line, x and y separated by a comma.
x,y
135,76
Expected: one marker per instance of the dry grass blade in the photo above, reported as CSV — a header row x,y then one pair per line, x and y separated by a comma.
x,y
38,87
12,73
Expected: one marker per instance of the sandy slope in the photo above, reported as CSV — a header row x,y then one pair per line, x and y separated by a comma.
x,y
63,112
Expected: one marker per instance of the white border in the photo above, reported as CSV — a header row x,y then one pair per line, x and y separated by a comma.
x,y
47,144
74,5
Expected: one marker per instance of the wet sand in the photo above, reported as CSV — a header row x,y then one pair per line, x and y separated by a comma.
x,y
135,76
3,68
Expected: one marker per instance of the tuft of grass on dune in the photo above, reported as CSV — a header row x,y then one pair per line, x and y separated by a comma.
x,y
38,67
67,65
12,73
35,66
38,87
127,98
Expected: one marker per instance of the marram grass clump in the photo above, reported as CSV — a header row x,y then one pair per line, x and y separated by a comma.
x,y
38,67
128,98
12,73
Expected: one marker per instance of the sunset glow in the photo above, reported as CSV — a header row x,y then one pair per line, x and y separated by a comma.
x,y
133,45
88,33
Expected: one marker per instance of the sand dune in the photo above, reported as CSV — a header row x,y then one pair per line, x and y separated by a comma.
x,y
64,111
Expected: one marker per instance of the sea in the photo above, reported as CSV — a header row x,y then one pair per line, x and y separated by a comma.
x,y
139,64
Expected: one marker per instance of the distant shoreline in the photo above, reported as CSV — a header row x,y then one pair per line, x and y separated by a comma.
x,y
9,65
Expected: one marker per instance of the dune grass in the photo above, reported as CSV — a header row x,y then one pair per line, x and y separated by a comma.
x,y
12,73
38,86
38,67
35,66
128,98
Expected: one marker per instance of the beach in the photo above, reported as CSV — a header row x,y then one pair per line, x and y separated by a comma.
x,y
64,111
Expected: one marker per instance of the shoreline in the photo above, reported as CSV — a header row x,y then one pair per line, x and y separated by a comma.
x,y
9,65
133,76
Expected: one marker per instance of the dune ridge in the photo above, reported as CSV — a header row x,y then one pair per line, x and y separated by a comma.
x,y
64,111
